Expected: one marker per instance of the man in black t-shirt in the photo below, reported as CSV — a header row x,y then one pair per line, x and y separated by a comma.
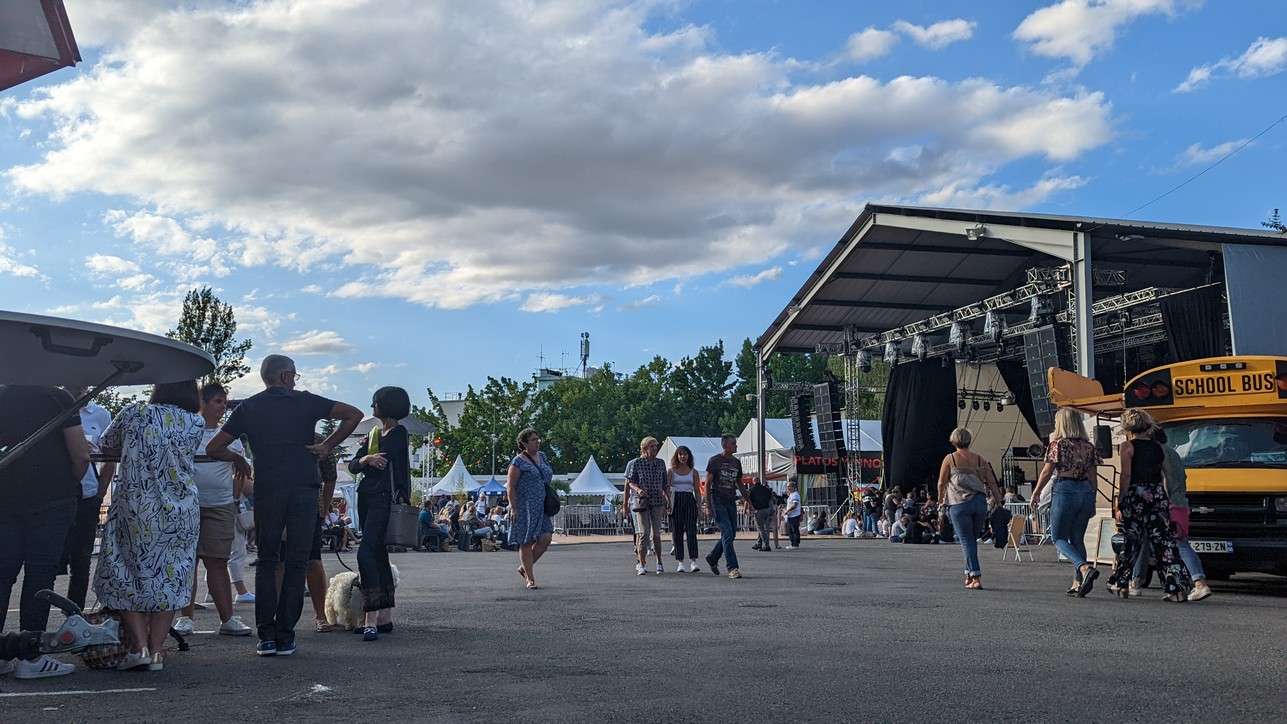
x,y
723,481
279,424
761,497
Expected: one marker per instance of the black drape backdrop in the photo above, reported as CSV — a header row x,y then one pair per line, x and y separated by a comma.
x,y
1015,374
920,413
1194,323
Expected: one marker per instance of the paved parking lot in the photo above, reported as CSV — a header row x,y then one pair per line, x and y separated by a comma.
x,y
837,631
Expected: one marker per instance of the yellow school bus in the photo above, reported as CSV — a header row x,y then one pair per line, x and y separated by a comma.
x,y
1226,417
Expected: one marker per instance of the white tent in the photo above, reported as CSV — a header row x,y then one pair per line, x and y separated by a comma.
x,y
779,444
703,448
592,481
456,480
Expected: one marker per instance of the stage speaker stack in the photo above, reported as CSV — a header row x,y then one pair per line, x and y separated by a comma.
x,y
831,431
800,427
1043,348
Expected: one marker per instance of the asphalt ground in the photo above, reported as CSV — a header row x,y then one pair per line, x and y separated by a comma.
x,y
837,631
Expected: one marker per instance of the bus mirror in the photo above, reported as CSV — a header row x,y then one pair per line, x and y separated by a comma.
x,y
1104,441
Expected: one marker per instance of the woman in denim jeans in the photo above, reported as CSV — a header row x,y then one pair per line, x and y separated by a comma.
x,y
969,490
1071,459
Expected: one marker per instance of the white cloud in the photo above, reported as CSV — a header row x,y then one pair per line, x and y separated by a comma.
x,y
567,130
312,289
870,43
749,280
1079,30
106,264
9,263
938,35
553,302
1197,155
316,342
1263,58
364,367
1000,197
651,300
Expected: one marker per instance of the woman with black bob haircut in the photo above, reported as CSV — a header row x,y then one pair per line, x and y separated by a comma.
x,y
385,466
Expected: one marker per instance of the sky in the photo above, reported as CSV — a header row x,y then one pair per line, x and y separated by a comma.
x,y
427,193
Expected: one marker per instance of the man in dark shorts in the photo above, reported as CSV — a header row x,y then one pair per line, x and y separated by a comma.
x,y
723,481
280,423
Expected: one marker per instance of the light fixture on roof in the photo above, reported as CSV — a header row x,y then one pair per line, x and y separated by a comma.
x,y
993,326
891,353
920,350
976,232
1041,308
957,336
864,361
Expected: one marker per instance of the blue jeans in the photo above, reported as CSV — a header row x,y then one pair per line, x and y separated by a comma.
x,y
968,519
292,511
31,541
869,522
1071,506
726,518
1187,554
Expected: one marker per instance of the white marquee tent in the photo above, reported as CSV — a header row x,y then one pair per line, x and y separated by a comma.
x,y
456,480
779,444
704,448
592,481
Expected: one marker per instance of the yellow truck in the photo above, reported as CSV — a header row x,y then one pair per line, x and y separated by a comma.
x,y
1227,420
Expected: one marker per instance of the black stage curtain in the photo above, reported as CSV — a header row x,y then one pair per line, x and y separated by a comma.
x,y
920,413
1194,323
1015,374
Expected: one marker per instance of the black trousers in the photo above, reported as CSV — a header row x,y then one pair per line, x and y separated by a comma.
x,y
31,541
79,549
683,525
292,511
374,508
793,531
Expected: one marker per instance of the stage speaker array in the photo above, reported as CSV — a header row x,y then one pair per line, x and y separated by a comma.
x,y
801,430
827,404
1043,348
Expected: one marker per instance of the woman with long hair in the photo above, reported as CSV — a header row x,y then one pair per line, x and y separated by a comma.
x,y
385,465
149,548
1143,510
682,478
530,528
1071,459
966,486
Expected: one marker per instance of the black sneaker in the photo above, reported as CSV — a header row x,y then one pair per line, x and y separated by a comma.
x,y
385,627
286,649
756,547
714,565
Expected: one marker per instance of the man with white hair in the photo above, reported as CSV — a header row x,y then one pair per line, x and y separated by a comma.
x,y
279,423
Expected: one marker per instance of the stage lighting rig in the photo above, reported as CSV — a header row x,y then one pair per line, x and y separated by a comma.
x,y
864,361
919,349
891,353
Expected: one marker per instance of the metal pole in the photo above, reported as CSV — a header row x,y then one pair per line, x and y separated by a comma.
x,y
1083,296
761,458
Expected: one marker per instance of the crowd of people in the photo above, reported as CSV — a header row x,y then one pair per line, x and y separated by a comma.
x,y
267,470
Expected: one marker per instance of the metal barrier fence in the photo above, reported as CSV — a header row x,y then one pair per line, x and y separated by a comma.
x,y
589,520
1037,530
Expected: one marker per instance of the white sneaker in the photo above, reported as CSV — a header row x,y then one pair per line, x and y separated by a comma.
x,y
1201,591
234,627
135,661
640,570
788,547
692,566
209,598
1134,591
679,567
7,667
247,597
183,626
42,668
660,569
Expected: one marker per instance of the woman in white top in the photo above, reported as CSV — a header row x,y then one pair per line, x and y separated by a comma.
x,y
683,519
968,491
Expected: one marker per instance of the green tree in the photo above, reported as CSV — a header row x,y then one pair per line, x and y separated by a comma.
x,y
1275,223
209,323
502,408
700,385
114,401
434,415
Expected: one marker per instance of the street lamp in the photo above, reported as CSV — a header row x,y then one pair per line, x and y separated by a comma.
x,y
494,439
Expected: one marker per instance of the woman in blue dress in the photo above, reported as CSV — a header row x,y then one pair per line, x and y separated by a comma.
x,y
530,529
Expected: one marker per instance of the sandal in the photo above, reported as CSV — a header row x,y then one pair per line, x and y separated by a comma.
x,y
531,586
321,626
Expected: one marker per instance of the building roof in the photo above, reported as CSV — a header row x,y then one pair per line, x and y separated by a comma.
x,y
900,264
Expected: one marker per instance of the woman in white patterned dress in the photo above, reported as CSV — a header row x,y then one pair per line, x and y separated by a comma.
x,y
150,541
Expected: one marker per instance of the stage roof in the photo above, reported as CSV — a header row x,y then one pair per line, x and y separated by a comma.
x,y
35,39
900,264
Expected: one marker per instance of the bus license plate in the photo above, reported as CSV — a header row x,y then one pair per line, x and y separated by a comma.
x,y
1212,546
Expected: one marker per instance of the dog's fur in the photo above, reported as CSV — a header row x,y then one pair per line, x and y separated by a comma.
x,y
344,599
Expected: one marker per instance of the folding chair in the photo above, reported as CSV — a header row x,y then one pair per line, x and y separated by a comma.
x,y
1018,541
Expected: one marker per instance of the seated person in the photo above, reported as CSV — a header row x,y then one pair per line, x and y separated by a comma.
x,y
818,526
850,528
429,534
899,530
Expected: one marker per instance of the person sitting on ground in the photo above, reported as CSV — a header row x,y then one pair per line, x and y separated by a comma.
x,y
898,532
1012,494
850,529
818,526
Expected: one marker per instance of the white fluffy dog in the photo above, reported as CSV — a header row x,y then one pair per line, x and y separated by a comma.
x,y
344,599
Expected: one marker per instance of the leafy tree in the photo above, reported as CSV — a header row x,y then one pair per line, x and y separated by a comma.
x,y
701,388
114,401
434,415
209,323
502,408
1275,222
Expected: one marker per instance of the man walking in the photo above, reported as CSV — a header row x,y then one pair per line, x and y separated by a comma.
x,y
279,425
723,481
762,501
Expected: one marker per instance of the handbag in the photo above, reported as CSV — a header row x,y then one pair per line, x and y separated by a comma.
x,y
552,502
404,520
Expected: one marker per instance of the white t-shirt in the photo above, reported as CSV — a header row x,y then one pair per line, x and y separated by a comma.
x,y
683,483
93,420
793,505
850,528
214,480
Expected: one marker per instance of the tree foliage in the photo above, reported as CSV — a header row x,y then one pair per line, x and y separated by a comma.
x,y
210,324
114,401
1275,223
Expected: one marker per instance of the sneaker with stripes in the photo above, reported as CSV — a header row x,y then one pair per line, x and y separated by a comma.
x,y
42,668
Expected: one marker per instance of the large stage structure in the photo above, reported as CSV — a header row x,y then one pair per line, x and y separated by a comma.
x,y
1107,298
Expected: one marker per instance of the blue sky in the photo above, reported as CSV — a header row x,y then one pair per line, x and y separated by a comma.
x,y
439,192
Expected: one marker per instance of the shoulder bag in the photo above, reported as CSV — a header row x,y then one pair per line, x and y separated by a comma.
x,y
552,502
404,520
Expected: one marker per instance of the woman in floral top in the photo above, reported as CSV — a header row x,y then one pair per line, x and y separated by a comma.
x,y
1071,459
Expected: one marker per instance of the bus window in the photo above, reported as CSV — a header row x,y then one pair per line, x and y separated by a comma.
x,y
1235,443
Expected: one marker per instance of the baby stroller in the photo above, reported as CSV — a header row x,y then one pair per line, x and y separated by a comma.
x,y
77,634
